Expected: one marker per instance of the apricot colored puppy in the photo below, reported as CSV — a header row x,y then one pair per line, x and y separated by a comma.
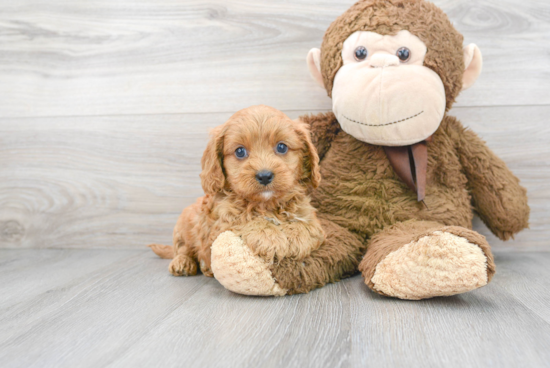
x,y
257,170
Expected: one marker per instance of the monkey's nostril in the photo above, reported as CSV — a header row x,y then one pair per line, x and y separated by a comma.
x,y
264,177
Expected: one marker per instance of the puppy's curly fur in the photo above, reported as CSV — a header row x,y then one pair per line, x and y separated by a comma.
x,y
276,220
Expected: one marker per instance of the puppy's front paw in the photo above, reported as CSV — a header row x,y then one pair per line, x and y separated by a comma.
x,y
237,268
302,239
268,242
183,266
205,269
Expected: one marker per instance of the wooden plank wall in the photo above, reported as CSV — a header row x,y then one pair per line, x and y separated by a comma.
x,y
105,105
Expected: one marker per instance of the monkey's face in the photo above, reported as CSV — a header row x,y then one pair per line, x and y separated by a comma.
x,y
383,94
393,68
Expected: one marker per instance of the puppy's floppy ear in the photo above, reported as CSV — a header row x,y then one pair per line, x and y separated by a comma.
x,y
311,172
212,175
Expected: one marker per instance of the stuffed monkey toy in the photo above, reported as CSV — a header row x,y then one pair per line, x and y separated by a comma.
x,y
401,179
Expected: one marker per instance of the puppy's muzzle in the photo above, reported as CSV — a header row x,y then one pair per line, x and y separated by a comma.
x,y
264,177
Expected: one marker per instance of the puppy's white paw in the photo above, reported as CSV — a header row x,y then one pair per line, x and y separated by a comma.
x,y
239,270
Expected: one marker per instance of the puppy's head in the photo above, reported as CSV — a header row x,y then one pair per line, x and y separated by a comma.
x,y
259,154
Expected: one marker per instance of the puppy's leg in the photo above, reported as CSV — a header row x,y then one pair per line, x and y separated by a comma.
x,y
265,239
204,258
303,238
184,262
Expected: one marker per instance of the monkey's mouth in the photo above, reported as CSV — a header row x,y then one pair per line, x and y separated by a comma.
x,y
390,123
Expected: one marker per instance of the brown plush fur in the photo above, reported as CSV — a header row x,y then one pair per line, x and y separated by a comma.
x,y
364,196
278,225
363,203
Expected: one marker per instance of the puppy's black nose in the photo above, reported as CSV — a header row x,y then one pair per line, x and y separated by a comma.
x,y
264,177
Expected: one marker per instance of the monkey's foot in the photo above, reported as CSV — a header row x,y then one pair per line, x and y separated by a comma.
x,y
438,264
239,270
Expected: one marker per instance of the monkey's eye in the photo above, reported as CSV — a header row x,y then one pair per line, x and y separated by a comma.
x,y
360,53
403,54
281,148
241,153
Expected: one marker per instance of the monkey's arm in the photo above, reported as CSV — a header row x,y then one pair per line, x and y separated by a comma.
x,y
237,268
498,198
323,127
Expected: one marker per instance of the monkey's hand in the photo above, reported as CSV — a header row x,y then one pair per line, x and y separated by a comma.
x,y
238,269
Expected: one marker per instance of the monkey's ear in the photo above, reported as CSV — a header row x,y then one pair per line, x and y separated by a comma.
x,y
212,176
472,65
314,66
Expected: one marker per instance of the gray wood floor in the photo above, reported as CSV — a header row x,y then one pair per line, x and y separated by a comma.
x,y
121,308
104,112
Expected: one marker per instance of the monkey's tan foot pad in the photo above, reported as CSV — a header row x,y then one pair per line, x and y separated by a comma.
x,y
440,264
239,270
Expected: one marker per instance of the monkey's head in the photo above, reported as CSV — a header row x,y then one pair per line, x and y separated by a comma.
x,y
393,69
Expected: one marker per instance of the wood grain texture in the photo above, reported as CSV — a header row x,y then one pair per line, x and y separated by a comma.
x,y
99,57
98,308
121,181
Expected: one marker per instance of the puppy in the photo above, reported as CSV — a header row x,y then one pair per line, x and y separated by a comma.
x,y
257,170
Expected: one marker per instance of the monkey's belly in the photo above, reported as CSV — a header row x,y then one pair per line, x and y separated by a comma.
x,y
361,192
366,213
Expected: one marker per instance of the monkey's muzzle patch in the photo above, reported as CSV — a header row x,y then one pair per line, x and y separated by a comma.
x,y
388,106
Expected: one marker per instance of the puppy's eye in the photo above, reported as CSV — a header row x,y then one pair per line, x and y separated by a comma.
x,y
403,54
281,148
360,53
241,153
